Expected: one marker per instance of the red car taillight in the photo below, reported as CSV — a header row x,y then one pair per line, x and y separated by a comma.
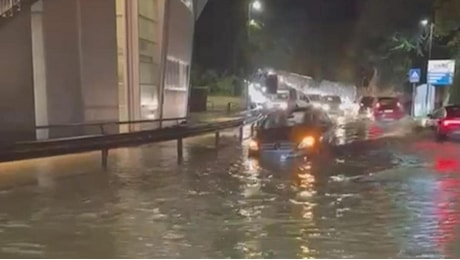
x,y
377,105
447,122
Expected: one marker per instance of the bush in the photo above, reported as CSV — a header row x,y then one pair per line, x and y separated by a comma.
x,y
224,84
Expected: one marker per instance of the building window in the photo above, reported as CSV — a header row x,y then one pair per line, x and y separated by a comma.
x,y
176,74
149,58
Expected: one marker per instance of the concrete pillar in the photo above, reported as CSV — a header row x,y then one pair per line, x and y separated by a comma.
x,y
17,120
98,59
39,69
80,64
62,55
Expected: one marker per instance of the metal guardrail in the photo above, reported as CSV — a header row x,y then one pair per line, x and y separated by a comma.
x,y
105,142
101,125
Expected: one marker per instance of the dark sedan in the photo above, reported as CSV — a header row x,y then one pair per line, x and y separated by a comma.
x,y
301,133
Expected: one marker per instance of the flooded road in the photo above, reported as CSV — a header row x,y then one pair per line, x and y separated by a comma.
x,y
380,193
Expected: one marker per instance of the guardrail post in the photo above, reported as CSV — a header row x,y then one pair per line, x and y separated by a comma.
x,y
229,107
180,155
105,158
101,127
216,141
241,134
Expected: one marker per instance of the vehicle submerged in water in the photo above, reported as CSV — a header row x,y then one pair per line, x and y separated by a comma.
x,y
302,132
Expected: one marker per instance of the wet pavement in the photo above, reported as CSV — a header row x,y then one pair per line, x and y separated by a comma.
x,y
382,191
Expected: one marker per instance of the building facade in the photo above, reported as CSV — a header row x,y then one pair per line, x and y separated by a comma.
x,y
73,61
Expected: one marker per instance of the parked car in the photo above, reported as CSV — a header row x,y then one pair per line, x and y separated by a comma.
x,y
446,121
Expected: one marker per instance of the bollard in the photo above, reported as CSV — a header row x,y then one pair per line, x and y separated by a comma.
x,y
241,137
105,157
216,141
180,155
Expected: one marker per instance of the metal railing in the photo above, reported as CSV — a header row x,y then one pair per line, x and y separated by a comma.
x,y
102,124
104,142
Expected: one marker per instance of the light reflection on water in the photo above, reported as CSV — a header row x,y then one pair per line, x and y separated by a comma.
x,y
218,204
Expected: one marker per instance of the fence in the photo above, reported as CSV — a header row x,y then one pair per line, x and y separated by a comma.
x,y
104,142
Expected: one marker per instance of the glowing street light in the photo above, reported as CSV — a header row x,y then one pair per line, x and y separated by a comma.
x,y
424,22
257,5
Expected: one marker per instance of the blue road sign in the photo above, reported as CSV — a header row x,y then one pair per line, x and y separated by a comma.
x,y
440,79
415,75
441,72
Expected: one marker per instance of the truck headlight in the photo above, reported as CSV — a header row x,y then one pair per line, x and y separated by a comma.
x,y
283,105
307,142
326,107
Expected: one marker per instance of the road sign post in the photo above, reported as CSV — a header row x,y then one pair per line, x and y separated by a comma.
x,y
414,88
414,78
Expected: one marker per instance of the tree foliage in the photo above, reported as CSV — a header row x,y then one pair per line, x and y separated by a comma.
x,y
447,21
225,84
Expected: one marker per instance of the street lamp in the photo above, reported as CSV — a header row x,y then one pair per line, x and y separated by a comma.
x,y
254,5
257,6
425,23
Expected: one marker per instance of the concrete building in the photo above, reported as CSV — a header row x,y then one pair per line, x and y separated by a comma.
x,y
73,61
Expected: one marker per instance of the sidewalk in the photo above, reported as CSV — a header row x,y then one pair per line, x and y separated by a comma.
x,y
213,116
218,109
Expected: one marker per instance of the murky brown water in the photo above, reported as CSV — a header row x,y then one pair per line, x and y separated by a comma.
x,y
389,197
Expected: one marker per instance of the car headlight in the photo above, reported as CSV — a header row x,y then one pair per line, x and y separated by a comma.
x,y
326,107
253,145
317,105
283,105
307,142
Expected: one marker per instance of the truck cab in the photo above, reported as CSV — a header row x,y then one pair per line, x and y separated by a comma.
x,y
289,99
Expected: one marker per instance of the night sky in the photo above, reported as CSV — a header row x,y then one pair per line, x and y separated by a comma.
x,y
324,36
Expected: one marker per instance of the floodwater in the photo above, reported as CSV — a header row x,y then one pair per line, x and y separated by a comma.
x,y
380,193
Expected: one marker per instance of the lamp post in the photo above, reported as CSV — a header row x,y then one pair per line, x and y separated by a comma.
x,y
426,23
253,6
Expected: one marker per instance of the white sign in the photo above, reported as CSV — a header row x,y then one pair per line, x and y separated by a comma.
x,y
441,72
441,66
